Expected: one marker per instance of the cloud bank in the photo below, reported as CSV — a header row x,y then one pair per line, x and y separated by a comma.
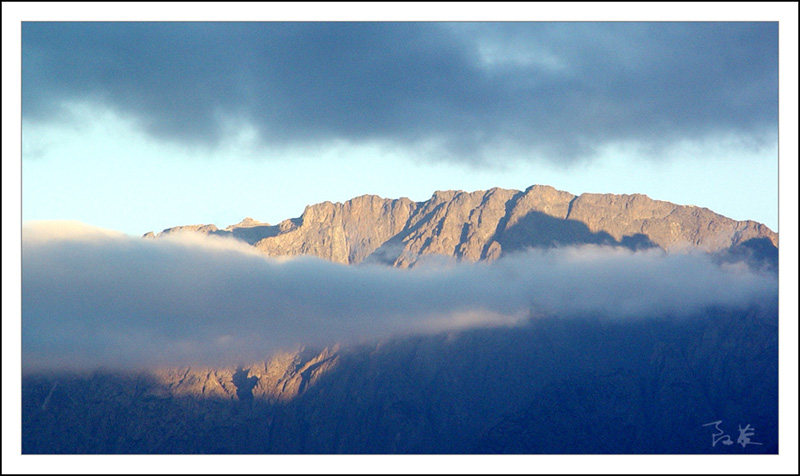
x,y
92,298
453,91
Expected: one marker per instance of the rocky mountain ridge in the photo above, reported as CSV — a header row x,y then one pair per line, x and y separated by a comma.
x,y
485,225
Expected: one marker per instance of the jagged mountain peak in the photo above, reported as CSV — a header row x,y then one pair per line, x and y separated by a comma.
x,y
485,224
247,222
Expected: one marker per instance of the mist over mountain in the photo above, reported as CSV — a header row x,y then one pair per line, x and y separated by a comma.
x,y
557,386
485,225
501,321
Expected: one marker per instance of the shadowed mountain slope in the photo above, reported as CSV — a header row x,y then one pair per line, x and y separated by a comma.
x,y
565,385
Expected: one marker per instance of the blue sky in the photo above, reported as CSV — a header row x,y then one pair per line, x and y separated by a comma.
x,y
142,126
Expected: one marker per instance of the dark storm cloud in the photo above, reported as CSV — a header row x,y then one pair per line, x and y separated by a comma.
x,y
93,298
454,90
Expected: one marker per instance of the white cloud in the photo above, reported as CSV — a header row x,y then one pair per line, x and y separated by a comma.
x,y
91,297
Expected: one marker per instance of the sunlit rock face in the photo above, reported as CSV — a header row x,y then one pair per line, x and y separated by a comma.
x,y
483,225
280,378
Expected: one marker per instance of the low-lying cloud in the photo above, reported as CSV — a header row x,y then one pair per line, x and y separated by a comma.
x,y
96,298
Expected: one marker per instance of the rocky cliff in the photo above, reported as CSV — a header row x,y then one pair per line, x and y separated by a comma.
x,y
484,225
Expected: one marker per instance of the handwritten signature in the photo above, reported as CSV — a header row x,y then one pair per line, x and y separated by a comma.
x,y
721,436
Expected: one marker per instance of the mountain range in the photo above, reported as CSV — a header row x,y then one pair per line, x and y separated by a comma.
x,y
556,385
484,225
